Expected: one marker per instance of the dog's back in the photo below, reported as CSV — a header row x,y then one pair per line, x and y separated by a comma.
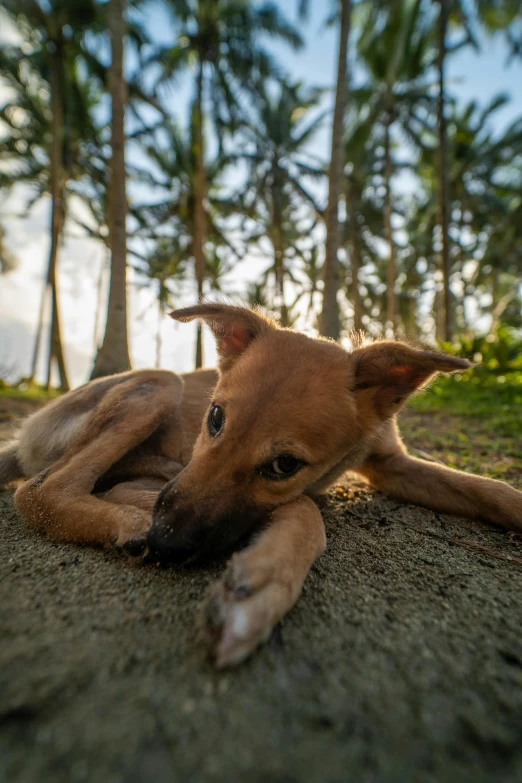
x,y
45,435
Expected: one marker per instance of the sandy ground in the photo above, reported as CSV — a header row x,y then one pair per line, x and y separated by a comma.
x,y
401,662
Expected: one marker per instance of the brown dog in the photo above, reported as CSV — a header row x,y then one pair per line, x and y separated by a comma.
x,y
126,460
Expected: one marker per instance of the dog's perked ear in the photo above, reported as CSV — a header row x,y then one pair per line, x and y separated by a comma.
x,y
392,371
234,327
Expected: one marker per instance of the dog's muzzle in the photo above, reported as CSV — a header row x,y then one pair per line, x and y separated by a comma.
x,y
186,531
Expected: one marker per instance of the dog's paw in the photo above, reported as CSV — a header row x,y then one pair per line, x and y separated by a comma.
x,y
136,547
245,606
133,527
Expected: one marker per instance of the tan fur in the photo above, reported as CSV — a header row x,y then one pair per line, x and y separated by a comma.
x,y
263,582
126,460
44,439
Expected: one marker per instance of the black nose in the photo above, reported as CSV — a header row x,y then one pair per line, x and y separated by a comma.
x,y
164,547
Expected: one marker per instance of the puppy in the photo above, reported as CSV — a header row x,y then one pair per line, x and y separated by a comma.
x,y
187,467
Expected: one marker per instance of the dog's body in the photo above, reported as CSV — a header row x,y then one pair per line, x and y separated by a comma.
x,y
126,460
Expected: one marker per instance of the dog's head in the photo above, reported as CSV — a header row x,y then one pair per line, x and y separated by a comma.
x,y
288,411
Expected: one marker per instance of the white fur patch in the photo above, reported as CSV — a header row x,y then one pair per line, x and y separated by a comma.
x,y
240,625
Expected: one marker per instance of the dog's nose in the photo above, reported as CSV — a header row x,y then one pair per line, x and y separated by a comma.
x,y
166,547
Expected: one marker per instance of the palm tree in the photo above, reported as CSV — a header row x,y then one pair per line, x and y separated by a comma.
x,y
51,44
165,266
113,355
397,55
171,217
491,17
220,40
30,137
443,164
363,227
276,196
484,208
8,261
329,322
486,181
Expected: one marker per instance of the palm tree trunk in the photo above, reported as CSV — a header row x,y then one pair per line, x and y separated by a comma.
x,y
438,312
408,318
329,321
277,242
355,261
158,329
443,170
199,207
356,294
310,302
500,306
56,347
105,266
390,283
113,355
57,212
280,284
39,330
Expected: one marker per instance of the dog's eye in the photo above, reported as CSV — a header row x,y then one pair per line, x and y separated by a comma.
x,y
216,419
283,467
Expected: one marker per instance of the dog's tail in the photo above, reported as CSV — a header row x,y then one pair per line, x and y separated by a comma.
x,y
10,467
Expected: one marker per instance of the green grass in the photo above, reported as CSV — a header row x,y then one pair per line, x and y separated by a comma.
x,y
476,394
472,422
34,393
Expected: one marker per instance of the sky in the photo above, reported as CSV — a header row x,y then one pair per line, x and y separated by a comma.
x,y
471,76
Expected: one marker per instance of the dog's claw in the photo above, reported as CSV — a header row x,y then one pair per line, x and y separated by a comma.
x,y
243,591
132,535
135,547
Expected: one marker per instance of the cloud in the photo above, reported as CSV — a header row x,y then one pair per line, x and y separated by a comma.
x,y
79,264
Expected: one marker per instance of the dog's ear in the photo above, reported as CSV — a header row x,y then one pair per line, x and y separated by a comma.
x,y
391,371
234,327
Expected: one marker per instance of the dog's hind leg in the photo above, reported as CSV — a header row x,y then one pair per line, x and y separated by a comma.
x,y
10,468
434,486
141,493
264,581
59,500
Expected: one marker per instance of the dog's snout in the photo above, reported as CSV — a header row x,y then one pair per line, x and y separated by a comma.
x,y
188,524
164,501
176,534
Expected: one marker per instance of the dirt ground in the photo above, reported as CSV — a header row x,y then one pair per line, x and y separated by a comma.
x,y
401,662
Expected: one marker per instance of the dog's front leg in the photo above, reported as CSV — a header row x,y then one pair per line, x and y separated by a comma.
x,y
444,489
264,581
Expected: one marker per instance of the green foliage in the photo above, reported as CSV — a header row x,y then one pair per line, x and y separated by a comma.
x,y
221,42
27,392
496,354
27,69
260,191
492,390
477,394
474,420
